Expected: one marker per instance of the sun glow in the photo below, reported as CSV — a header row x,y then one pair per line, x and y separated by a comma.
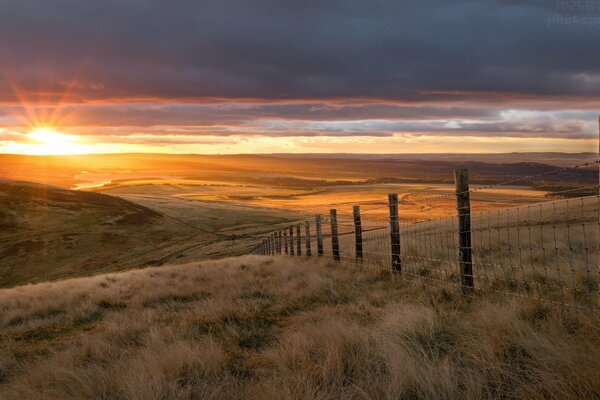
x,y
46,141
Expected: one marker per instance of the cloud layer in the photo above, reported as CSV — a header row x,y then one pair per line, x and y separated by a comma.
x,y
302,68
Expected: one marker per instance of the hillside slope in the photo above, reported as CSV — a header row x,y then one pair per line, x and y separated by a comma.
x,y
49,233
276,328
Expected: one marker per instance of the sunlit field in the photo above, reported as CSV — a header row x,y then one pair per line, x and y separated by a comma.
x,y
322,198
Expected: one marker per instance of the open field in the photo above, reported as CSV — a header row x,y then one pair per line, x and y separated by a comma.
x,y
292,170
322,199
309,183
257,327
180,208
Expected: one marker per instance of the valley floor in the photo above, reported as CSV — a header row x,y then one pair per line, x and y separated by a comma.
x,y
276,328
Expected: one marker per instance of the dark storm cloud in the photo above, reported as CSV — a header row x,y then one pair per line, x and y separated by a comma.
x,y
348,49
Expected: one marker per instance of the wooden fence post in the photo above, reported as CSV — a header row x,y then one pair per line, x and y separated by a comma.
x,y
272,244
285,242
463,206
395,232
319,236
307,238
358,241
335,244
291,240
279,242
298,241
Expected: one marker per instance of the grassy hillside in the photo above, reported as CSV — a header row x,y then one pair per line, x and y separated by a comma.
x,y
49,233
275,328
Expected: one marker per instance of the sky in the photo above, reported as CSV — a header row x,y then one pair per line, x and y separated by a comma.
x,y
302,76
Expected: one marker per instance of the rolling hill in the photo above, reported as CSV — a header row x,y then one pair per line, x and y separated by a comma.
x,y
47,232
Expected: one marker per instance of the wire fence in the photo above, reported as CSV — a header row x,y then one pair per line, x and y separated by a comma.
x,y
546,250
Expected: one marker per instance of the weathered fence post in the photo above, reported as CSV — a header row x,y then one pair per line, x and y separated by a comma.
x,y
279,242
298,241
291,240
307,238
395,232
335,243
272,239
285,242
319,236
273,243
463,206
358,241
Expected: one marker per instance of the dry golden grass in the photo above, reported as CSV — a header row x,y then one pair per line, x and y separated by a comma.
x,y
277,328
321,198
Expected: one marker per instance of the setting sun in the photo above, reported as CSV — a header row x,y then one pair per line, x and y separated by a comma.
x,y
47,141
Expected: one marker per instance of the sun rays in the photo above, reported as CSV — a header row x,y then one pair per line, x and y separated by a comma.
x,y
47,141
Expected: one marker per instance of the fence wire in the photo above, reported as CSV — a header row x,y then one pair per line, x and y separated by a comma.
x,y
545,250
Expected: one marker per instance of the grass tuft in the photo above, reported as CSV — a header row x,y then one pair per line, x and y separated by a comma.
x,y
282,328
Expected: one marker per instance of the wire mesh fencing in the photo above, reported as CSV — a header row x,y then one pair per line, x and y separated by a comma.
x,y
546,250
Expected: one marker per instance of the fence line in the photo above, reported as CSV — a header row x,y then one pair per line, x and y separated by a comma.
x,y
546,250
